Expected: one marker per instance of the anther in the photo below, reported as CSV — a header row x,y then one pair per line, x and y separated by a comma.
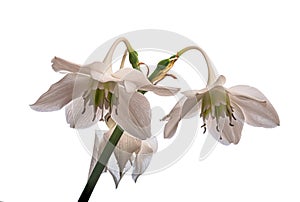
x,y
204,126
231,124
217,127
84,108
204,130
233,116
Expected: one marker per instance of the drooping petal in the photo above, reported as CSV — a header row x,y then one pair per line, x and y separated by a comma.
x,y
216,129
225,133
173,119
143,157
58,95
126,146
136,80
160,90
257,109
59,64
133,114
233,133
99,144
97,70
190,93
79,115
185,107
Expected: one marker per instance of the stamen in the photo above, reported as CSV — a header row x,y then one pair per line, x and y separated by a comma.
x,y
94,117
217,127
233,116
231,124
84,108
204,126
85,101
95,113
102,113
231,108
171,75
148,69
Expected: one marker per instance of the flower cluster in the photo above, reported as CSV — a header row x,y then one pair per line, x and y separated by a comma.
x,y
93,92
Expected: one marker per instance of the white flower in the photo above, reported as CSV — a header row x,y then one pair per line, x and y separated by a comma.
x,y
94,90
130,152
224,111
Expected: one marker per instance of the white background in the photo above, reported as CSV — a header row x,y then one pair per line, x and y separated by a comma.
x,y
250,42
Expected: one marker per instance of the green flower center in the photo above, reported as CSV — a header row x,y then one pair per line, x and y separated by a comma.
x,y
216,105
102,98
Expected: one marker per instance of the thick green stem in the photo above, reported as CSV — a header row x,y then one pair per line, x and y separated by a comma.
x,y
101,163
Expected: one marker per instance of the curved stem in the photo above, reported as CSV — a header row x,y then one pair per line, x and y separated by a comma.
x,y
211,74
123,59
108,58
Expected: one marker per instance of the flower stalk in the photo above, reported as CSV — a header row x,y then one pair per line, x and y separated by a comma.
x,y
101,164
211,74
159,73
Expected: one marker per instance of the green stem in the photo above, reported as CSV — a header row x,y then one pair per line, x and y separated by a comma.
x,y
101,163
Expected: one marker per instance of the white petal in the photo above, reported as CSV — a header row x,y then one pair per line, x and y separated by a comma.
x,y
212,129
97,70
58,95
184,108
133,114
143,158
160,90
77,119
99,144
82,84
132,75
233,133
136,80
125,148
59,64
173,119
190,93
227,134
257,108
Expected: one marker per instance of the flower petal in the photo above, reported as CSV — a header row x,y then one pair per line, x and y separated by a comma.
x,y
133,114
227,134
190,93
58,95
143,157
97,70
257,109
126,146
59,64
160,90
184,108
136,80
217,133
233,133
99,144
78,117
